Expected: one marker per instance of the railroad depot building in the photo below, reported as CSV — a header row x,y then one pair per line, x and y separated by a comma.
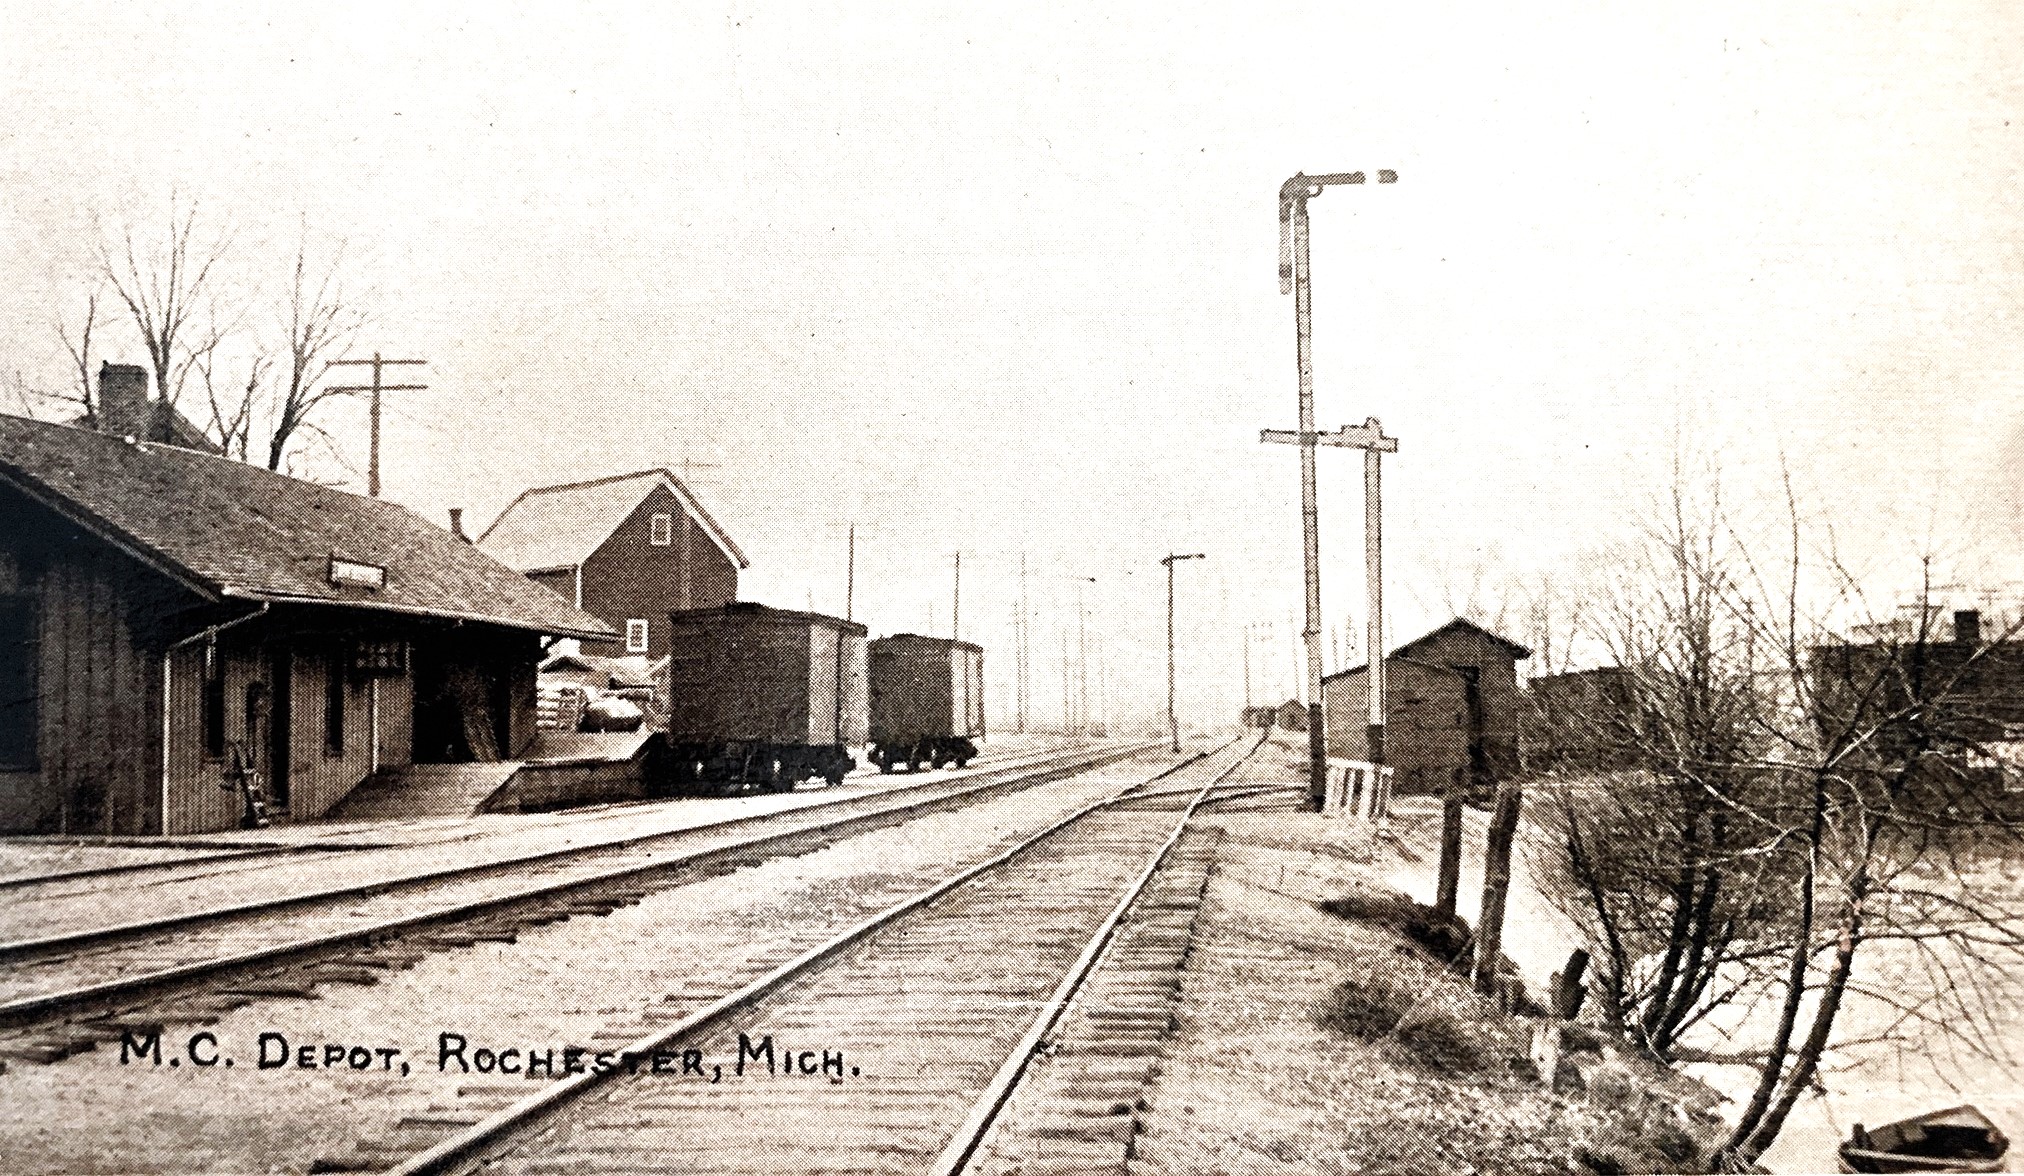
x,y
173,624
1453,709
627,549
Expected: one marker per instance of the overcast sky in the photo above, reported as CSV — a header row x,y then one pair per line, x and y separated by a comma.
x,y
1007,284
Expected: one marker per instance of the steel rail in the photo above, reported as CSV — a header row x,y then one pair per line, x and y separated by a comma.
x,y
71,941
489,1133
29,1010
227,853
956,1155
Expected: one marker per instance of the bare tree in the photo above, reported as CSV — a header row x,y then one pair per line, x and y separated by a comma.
x,y
77,342
321,325
230,406
164,290
1651,856
1778,801
262,397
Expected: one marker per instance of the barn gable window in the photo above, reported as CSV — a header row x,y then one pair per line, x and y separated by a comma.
x,y
19,711
662,530
635,636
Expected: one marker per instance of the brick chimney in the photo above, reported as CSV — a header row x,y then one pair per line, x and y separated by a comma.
x,y
1968,627
457,523
123,408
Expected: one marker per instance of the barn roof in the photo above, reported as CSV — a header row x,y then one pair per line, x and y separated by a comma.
x,y
228,529
552,527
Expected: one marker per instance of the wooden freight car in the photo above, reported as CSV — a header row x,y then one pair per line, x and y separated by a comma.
x,y
763,697
927,701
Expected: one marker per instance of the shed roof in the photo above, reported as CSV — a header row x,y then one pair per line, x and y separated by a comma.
x,y
228,529
1406,652
1466,625
552,527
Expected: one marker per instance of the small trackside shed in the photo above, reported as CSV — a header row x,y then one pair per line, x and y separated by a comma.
x,y
174,624
1453,710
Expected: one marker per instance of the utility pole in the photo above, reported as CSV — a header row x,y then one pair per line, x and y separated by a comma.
x,y
850,575
956,606
378,362
1067,694
1247,667
1173,716
690,466
1295,279
1081,660
1019,647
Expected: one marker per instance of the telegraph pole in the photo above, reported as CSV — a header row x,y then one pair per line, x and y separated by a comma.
x,y
1247,667
956,605
1173,716
1067,694
850,575
378,362
1081,661
1019,645
1295,279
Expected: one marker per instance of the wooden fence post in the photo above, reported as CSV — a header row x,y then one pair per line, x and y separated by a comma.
x,y
1496,883
1450,875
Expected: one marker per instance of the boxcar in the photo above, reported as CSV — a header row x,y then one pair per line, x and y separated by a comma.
x,y
927,701
762,696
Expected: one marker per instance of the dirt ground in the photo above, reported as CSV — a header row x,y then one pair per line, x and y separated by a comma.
x,y
1261,1078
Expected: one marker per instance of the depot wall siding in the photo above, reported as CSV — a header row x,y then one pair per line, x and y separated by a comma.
x,y
97,672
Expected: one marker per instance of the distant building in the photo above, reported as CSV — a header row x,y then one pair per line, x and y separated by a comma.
x,y
627,549
1968,684
1292,715
1583,719
175,626
1453,710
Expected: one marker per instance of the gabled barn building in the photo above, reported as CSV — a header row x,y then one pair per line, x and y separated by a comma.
x,y
628,549
177,629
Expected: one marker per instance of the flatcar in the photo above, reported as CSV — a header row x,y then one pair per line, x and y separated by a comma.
x,y
762,697
927,701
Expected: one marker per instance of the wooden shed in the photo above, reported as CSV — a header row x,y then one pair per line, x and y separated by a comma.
x,y
176,628
1453,710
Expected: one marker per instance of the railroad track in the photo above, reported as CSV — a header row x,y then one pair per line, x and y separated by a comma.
x,y
65,994
215,859
892,1045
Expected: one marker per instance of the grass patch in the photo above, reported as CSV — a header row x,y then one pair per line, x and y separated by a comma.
x,y
1394,1011
1447,938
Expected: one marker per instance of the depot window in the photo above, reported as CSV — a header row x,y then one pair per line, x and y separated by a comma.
x,y
333,701
636,636
214,702
663,530
18,704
